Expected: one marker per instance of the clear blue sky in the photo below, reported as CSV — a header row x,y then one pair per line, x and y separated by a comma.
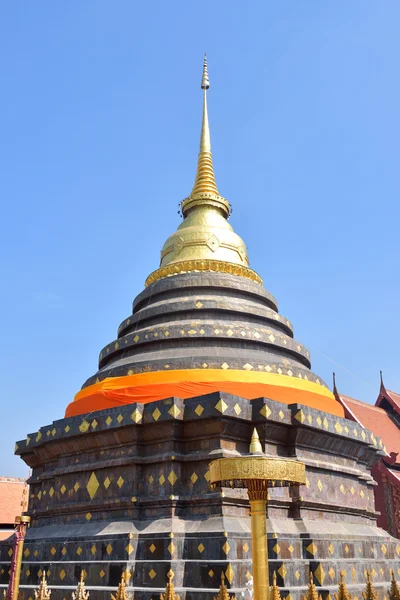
x,y
100,110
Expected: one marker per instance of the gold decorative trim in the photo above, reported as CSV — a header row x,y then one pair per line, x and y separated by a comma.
x,y
217,266
279,470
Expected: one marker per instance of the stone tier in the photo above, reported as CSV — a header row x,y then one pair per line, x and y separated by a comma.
x,y
204,321
128,489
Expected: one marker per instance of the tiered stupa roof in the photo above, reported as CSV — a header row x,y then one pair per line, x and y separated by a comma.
x,y
204,322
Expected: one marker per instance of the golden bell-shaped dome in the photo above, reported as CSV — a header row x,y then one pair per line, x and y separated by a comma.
x,y
204,241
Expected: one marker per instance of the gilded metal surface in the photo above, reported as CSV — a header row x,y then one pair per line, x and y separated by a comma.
x,y
274,592
223,593
204,234
279,471
205,186
255,444
170,589
259,548
121,591
80,592
43,592
203,265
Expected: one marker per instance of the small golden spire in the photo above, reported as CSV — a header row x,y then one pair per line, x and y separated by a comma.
x,y
205,191
255,444
223,593
170,589
312,592
43,592
121,591
81,593
370,593
274,593
394,592
343,592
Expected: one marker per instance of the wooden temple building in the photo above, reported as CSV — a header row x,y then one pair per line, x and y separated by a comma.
x,y
121,484
383,419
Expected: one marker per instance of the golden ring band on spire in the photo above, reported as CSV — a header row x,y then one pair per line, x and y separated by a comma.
x,y
215,266
206,198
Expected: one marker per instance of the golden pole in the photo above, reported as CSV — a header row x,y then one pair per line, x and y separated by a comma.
x,y
257,472
22,523
258,512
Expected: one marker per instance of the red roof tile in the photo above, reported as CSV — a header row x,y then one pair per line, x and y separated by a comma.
x,y
396,400
376,420
11,496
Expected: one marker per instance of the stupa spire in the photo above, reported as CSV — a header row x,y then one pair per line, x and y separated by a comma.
x,y
205,191
205,142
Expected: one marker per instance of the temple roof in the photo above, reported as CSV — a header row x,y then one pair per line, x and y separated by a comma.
x,y
375,419
388,398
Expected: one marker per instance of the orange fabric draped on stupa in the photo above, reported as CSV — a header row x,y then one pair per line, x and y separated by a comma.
x,y
149,387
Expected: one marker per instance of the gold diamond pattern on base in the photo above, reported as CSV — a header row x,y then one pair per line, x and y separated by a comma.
x,y
92,485
276,548
156,414
320,574
136,416
312,548
226,547
172,477
171,548
174,411
199,410
265,411
221,406
129,549
230,573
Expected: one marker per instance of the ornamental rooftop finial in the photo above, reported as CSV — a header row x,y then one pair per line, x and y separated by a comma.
x,y
205,82
205,191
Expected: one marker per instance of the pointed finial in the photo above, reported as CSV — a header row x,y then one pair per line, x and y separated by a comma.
x,y
43,592
394,592
312,592
80,592
343,592
223,593
274,593
255,444
170,589
205,191
370,593
205,82
121,591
